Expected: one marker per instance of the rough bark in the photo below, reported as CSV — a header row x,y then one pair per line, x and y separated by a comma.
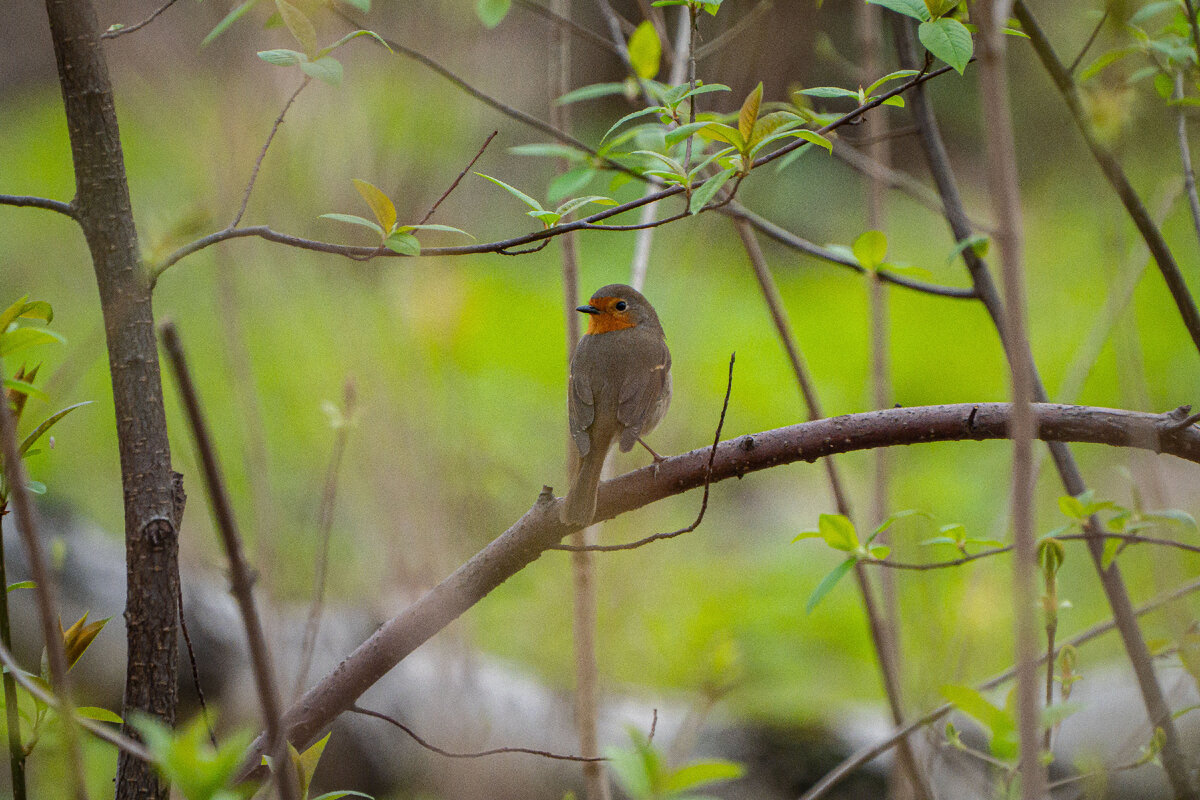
x,y
104,212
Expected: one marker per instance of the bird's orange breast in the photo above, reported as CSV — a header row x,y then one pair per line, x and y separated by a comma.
x,y
607,322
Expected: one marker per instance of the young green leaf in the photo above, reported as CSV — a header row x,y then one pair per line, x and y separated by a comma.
x,y
548,218
634,115
403,243
299,25
325,68
677,135
870,248
570,182
98,714
282,58
978,243
708,190
47,424
354,219
645,51
492,12
909,8
20,338
431,227
549,150
227,21
572,205
381,205
830,91
815,138
22,585
947,39
748,114
703,773
351,36
719,131
891,76
827,584
591,92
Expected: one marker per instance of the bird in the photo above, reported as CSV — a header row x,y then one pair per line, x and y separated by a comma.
x,y
618,389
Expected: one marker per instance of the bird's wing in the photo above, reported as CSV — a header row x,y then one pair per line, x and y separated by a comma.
x,y
640,392
581,410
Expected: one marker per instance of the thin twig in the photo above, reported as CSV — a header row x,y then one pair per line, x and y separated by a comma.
x,y
312,625
786,237
1111,168
566,24
733,31
868,754
97,729
45,585
113,33
1185,150
454,185
241,581
16,750
712,453
263,153
1088,44
28,201
195,668
481,754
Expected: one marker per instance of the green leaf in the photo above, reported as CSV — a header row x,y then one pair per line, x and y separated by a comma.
x,y
645,51
570,182
572,205
815,138
1072,507
677,135
634,115
351,36
403,243
492,12
978,243
826,585
830,91
22,585
25,388
1174,515
895,517
1152,9
355,220
47,424
1105,60
748,114
838,532
98,714
880,552
909,8
591,92
997,720
227,21
299,25
381,205
325,68
549,150
37,487
701,773
306,762
671,163
432,227
719,131
548,218
20,338
340,793
282,58
948,40
870,248
708,190
891,76
362,5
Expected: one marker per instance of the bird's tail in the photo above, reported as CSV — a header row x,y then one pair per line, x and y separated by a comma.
x,y
580,505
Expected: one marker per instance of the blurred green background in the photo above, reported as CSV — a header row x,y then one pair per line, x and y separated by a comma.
x,y
459,363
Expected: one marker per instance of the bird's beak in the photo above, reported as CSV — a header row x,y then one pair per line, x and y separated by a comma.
x,y
588,309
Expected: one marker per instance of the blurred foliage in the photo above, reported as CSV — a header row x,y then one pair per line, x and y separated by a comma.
x,y
460,362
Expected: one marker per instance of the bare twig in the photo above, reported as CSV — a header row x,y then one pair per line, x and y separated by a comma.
x,y
45,586
1072,480
481,754
16,750
540,527
192,664
457,180
733,31
1006,200
569,25
1116,176
871,752
27,201
312,625
113,33
1185,150
610,548
241,581
789,239
263,153
97,729
876,623
1088,44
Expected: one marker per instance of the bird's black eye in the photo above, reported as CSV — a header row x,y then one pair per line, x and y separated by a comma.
x,y
621,305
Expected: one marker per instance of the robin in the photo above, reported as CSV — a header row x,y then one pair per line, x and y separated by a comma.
x,y
618,390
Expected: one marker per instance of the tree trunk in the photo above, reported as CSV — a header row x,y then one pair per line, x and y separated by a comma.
x,y
151,542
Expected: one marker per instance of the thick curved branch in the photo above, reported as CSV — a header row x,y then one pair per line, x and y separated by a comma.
x,y
540,528
27,201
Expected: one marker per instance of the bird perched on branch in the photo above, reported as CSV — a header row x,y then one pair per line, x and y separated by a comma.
x,y
619,388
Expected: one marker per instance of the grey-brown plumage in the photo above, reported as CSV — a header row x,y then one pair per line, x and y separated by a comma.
x,y
619,387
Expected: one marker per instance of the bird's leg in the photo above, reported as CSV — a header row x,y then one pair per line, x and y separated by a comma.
x,y
657,458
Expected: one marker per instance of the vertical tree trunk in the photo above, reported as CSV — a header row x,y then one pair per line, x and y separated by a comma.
x,y
105,214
